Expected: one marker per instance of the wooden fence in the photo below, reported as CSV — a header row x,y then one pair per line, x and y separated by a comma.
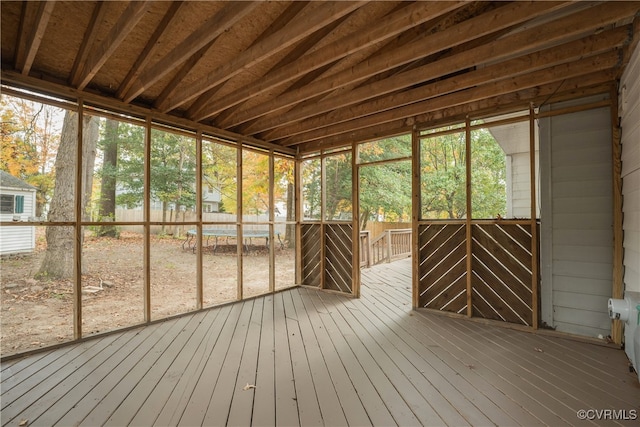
x,y
389,246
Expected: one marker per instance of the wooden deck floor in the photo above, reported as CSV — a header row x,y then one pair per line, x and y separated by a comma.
x,y
304,357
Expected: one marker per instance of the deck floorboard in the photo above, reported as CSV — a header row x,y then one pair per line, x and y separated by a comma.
x,y
308,357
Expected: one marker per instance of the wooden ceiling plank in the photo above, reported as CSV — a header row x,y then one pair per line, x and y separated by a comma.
x,y
32,37
228,16
526,40
313,17
152,44
97,17
278,24
390,26
582,86
556,73
539,60
100,54
470,29
182,72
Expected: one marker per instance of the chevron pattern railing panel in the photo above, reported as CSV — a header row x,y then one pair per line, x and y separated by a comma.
x,y
502,272
311,254
338,274
442,268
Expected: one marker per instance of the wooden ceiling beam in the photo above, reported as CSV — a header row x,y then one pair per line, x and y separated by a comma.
x,y
529,39
33,25
229,15
300,50
313,17
99,55
505,16
97,17
279,23
152,44
590,84
553,74
186,67
568,52
390,26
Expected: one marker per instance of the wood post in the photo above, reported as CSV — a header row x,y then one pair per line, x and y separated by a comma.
x,y
534,221
77,246
618,232
469,230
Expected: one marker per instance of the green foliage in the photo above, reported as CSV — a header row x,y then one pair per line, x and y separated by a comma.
x,y
173,169
443,176
219,167
30,138
488,176
338,182
311,188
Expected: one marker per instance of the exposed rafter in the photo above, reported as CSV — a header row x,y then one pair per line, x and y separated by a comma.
x,y
145,55
230,14
295,76
458,34
394,24
100,54
315,16
38,14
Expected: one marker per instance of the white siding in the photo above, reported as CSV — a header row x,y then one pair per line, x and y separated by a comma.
x,y
514,141
18,239
630,112
577,235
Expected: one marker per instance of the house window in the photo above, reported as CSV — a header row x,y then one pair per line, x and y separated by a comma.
x,y
10,204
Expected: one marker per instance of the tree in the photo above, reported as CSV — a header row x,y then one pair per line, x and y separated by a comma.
x,y
385,188
173,172
30,139
284,183
58,261
488,176
107,209
255,183
443,177
219,166
311,186
443,169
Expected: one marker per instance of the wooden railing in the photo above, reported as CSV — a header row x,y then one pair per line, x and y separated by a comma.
x,y
388,246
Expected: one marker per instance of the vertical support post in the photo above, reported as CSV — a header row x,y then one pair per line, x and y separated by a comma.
x,y
298,216
147,220
355,209
272,252
534,222
239,219
618,233
199,290
389,245
469,234
77,247
415,215
323,200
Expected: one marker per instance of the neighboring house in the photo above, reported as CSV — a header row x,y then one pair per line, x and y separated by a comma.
x,y
17,203
211,196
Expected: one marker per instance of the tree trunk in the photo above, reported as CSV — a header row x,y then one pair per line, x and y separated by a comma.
x,y
290,230
107,211
58,261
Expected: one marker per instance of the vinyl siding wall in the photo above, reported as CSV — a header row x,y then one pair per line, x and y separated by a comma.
x,y
630,112
18,239
577,220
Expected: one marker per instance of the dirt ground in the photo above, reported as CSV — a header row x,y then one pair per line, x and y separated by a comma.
x,y
37,313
